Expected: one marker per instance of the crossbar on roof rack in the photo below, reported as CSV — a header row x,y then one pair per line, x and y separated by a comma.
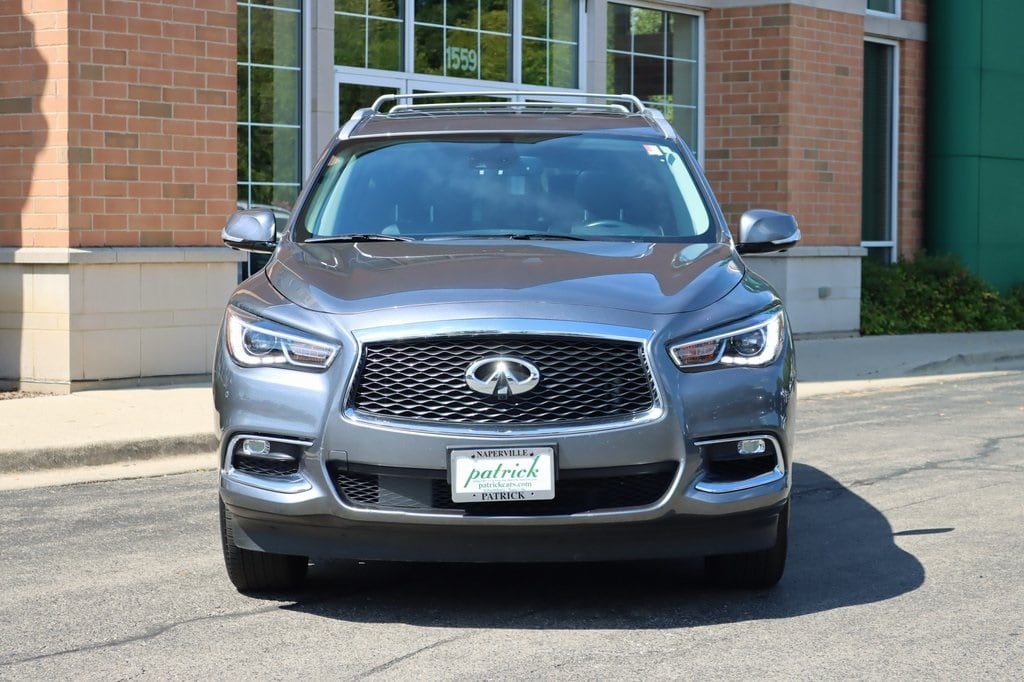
x,y
480,107
505,100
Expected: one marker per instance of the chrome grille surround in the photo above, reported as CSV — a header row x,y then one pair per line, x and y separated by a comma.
x,y
585,380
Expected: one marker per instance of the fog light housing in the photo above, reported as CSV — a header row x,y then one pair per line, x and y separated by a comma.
x,y
740,462
268,456
255,447
751,447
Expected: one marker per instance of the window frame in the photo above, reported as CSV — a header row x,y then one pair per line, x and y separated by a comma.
x,y
302,118
897,10
697,147
892,244
515,36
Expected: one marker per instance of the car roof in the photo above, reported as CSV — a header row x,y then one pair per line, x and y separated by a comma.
x,y
506,112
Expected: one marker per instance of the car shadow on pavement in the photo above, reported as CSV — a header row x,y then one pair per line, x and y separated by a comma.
x,y
842,553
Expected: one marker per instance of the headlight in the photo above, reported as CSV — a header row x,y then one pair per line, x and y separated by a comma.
x,y
754,344
255,342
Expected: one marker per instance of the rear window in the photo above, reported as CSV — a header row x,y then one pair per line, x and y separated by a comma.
x,y
584,186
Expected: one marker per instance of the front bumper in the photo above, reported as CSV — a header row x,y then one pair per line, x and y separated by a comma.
x,y
329,536
677,510
697,510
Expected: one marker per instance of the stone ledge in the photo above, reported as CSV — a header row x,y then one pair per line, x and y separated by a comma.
x,y
814,252
119,255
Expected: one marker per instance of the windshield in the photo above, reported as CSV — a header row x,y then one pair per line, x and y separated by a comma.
x,y
568,186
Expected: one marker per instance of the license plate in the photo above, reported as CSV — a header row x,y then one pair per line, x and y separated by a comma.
x,y
502,474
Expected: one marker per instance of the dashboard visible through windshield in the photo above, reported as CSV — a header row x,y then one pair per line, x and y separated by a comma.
x,y
562,186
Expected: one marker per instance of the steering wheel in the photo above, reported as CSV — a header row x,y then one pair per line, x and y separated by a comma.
x,y
610,224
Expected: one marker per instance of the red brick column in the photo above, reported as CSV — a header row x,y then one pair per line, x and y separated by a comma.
x,y
911,172
122,122
33,124
783,116
152,147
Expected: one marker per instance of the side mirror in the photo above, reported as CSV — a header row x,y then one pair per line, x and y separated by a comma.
x,y
251,230
764,231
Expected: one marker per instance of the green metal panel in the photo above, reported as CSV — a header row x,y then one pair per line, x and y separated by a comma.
x,y
953,207
1002,114
976,136
1000,217
956,123
1002,79
954,77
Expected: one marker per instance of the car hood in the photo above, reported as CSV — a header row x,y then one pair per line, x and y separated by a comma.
x,y
652,278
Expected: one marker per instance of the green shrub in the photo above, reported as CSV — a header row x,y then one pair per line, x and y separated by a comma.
x,y
934,294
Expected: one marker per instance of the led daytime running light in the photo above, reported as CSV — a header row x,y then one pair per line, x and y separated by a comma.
x,y
253,342
753,346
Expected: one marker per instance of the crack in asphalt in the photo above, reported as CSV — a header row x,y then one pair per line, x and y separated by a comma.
x,y
987,449
149,634
943,497
404,657
384,587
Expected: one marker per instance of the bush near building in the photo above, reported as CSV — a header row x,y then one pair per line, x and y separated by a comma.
x,y
934,294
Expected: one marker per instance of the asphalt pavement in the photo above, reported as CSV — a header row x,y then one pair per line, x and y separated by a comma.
x,y
103,427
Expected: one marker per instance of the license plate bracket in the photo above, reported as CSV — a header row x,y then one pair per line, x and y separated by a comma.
x,y
507,474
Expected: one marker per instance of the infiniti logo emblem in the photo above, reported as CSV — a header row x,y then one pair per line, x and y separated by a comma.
x,y
502,377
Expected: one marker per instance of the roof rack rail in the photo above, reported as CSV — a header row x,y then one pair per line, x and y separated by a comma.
x,y
501,100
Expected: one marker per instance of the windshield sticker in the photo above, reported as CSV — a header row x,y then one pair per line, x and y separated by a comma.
x,y
652,149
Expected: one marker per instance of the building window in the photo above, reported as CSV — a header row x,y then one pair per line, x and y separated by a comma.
x,y
878,195
464,38
468,39
269,103
654,55
550,43
368,33
884,6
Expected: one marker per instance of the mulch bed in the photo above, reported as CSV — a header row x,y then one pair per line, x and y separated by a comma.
x,y
11,395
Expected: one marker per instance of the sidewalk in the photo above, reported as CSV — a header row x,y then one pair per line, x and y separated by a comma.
x,y
99,427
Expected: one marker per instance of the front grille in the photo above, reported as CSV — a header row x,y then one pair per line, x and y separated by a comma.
x,y
576,492
740,469
260,466
581,380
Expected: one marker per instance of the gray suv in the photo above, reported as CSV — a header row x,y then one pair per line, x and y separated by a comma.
x,y
501,328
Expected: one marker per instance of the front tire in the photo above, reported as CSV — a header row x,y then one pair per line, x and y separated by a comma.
x,y
758,570
251,571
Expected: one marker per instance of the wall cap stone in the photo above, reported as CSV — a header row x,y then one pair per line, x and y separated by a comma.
x,y
814,252
119,255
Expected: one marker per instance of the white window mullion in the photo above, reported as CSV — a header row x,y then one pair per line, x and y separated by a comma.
x,y
517,41
409,38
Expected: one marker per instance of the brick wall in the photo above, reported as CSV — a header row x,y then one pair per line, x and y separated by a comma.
x,y
783,116
914,10
33,124
152,137
123,131
911,174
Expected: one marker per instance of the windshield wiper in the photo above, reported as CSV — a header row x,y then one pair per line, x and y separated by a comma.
x,y
524,236
366,237
547,235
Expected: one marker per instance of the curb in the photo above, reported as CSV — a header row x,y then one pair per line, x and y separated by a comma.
x,y
107,452
971,362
